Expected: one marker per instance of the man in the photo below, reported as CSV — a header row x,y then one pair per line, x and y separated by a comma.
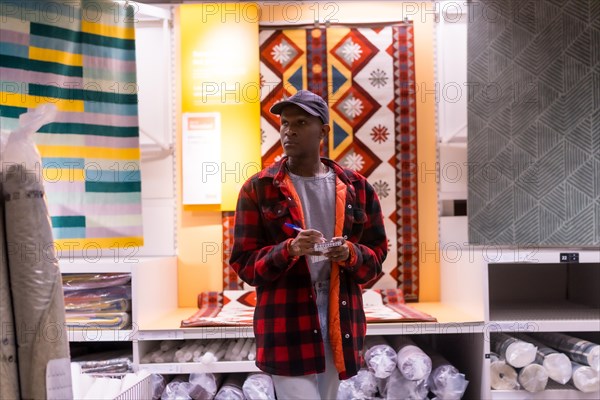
x,y
309,322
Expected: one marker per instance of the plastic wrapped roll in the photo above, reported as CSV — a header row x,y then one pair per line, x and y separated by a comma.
x,y
533,378
502,375
231,389
204,385
579,350
186,352
585,379
413,363
380,357
516,352
176,390
246,349
397,387
363,385
445,381
211,351
159,384
9,372
35,279
166,345
236,350
117,365
259,386
557,365
252,351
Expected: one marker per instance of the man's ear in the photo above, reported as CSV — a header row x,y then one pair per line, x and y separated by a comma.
x,y
325,128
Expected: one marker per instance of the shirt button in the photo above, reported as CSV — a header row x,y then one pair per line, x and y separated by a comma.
x,y
316,331
344,302
345,237
347,336
349,205
310,296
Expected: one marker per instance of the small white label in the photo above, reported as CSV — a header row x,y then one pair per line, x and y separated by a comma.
x,y
58,379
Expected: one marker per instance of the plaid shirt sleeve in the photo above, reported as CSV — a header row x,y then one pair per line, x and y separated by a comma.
x,y
256,260
369,249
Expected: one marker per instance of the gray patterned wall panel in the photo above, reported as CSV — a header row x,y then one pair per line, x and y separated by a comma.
x,y
534,122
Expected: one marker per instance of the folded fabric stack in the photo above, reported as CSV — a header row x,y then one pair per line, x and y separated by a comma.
x,y
99,301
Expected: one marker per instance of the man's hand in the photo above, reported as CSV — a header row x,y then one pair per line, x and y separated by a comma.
x,y
304,243
339,253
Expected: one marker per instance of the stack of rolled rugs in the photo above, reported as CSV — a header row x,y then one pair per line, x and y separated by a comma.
x,y
528,361
396,368
32,311
208,386
203,351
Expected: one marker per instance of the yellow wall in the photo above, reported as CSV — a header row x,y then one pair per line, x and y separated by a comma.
x,y
199,229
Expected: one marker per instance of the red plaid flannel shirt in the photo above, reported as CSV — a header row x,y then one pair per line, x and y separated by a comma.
x,y
286,323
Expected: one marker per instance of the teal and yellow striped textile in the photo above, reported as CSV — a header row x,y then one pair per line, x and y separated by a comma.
x,y
80,56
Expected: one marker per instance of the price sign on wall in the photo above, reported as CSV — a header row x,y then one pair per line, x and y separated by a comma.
x,y
219,74
201,158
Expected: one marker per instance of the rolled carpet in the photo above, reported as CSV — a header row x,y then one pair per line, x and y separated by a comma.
x,y
35,280
9,373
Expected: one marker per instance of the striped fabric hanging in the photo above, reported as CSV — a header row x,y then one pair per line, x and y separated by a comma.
x,y
79,56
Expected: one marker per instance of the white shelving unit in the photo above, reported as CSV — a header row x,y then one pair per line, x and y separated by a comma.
x,y
538,293
458,334
472,309
134,266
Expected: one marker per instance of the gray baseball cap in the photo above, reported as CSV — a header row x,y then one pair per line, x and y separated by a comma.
x,y
308,101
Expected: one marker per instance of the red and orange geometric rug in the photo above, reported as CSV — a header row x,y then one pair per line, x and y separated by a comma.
x,y
236,308
367,75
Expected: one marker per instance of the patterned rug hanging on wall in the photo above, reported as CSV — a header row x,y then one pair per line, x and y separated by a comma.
x,y
80,56
367,76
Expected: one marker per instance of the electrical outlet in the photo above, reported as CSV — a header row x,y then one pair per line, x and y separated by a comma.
x,y
569,257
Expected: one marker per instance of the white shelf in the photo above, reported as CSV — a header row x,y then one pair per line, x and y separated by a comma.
x,y
100,335
552,316
499,255
110,264
167,326
188,368
450,320
554,391
79,266
551,394
210,332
